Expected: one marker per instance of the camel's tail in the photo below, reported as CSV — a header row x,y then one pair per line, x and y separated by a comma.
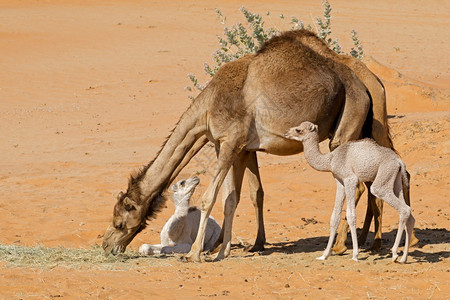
x,y
404,173
380,127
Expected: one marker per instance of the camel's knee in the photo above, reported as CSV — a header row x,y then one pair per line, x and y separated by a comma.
x,y
259,197
206,205
405,212
378,191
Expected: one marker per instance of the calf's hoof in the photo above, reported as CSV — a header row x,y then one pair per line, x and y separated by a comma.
x,y
394,257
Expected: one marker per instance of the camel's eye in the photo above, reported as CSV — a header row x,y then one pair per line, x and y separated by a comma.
x,y
298,131
119,226
182,182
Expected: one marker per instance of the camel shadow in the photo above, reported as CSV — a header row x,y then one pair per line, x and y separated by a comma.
x,y
428,236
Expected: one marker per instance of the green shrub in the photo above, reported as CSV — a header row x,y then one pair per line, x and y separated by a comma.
x,y
239,40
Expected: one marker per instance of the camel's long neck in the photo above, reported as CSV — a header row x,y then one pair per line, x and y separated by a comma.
x,y
157,176
181,204
316,159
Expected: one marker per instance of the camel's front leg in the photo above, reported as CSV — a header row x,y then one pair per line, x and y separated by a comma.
x,y
227,154
339,246
257,196
350,188
231,192
335,217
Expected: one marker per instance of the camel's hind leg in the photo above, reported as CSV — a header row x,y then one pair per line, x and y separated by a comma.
x,y
231,196
407,194
335,217
257,196
409,233
388,186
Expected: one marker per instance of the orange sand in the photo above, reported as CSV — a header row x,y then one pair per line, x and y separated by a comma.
x,y
90,89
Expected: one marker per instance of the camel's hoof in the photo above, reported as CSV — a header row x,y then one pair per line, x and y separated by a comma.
x,y
321,258
355,259
219,257
339,249
256,248
190,258
413,240
216,249
362,240
394,258
376,246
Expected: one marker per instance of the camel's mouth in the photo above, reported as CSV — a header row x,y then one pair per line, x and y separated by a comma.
x,y
116,241
293,137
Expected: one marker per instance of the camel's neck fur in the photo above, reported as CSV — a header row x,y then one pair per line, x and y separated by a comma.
x,y
315,158
147,186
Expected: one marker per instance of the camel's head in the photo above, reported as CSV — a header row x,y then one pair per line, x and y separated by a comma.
x,y
184,189
128,220
300,132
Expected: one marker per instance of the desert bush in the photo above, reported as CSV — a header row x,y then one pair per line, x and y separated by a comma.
x,y
241,39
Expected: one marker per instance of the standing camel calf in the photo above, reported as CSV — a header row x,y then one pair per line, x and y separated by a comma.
x,y
180,231
352,163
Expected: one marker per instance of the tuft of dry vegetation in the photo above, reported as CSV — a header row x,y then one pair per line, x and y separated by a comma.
x,y
45,258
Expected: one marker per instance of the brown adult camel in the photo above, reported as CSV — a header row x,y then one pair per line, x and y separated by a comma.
x,y
247,107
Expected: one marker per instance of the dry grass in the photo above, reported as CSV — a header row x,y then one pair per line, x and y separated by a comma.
x,y
42,257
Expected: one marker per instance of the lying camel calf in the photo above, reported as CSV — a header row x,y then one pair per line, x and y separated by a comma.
x,y
180,231
352,163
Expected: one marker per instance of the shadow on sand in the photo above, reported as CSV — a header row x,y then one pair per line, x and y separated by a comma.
x,y
426,236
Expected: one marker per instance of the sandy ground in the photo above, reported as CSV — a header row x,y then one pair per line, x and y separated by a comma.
x,y
90,89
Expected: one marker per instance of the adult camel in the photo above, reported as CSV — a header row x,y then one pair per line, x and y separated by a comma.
x,y
246,107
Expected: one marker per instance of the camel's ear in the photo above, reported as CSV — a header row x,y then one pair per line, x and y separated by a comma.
x,y
129,204
312,128
119,196
316,127
174,187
